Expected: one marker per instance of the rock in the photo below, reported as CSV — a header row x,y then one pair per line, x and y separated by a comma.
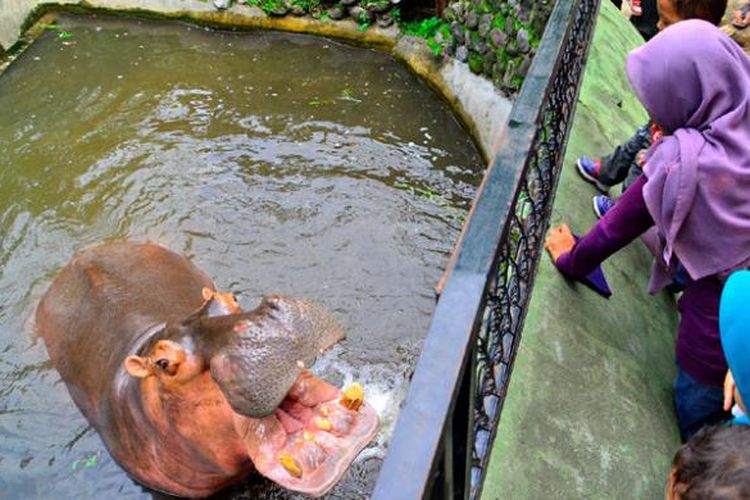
x,y
385,20
462,53
335,13
509,27
498,38
522,41
222,4
487,66
510,72
458,10
347,3
490,57
360,14
298,10
378,7
475,63
456,30
279,10
523,69
472,20
438,38
485,24
479,46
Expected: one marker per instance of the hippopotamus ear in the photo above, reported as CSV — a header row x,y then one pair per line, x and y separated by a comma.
x,y
138,367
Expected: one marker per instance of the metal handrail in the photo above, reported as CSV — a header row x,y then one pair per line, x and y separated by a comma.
x,y
441,443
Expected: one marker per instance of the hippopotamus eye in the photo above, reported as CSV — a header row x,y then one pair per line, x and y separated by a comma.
x,y
162,363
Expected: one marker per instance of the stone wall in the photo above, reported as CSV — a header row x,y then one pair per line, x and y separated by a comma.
x,y
497,38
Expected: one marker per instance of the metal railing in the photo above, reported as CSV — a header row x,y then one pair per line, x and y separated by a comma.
x,y
444,435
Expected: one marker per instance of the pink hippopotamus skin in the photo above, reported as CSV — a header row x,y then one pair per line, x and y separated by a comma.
x,y
189,393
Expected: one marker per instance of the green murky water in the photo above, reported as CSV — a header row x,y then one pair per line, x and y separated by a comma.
x,y
279,163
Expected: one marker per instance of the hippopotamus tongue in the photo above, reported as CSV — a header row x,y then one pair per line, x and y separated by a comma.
x,y
307,443
259,364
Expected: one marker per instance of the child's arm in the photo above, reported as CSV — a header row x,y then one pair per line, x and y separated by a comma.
x,y
624,222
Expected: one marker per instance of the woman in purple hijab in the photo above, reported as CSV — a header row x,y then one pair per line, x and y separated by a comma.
x,y
694,81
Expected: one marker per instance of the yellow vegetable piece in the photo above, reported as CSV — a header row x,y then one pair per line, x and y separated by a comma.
x,y
290,464
323,424
353,397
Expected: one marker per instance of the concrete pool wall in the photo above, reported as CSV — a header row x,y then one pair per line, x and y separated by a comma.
x,y
480,105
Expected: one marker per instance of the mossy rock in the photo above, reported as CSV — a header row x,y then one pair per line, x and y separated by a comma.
x,y
476,62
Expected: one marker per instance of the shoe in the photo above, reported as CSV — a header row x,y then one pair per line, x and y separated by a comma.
x,y
635,8
602,205
589,169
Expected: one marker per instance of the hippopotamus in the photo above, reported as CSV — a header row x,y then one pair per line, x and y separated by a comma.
x,y
188,392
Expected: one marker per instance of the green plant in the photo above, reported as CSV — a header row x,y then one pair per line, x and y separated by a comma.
x,y
61,33
363,21
267,6
425,28
428,29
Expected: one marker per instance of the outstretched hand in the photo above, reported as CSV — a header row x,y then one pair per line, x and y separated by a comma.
x,y
559,240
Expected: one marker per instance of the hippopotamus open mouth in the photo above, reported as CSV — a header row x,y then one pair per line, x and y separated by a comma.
x,y
299,431
190,394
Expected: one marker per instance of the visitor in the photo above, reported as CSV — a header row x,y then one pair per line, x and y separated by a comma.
x,y
734,328
623,165
695,191
713,465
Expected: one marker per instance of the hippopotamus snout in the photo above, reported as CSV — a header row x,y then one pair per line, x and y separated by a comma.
x,y
268,350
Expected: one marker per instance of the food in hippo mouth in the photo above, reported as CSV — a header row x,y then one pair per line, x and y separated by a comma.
x,y
307,443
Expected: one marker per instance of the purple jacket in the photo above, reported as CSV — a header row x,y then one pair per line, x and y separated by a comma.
x,y
698,349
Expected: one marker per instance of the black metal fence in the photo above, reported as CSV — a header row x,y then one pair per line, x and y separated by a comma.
x,y
444,434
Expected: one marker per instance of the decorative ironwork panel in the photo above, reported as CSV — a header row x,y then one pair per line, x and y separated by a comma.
x,y
519,252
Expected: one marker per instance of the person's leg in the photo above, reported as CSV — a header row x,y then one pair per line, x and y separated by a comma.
x,y
696,404
615,167
634,172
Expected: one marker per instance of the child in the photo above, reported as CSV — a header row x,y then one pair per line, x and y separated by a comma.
x,y
734,327
742,17
623,163
713,465
695,191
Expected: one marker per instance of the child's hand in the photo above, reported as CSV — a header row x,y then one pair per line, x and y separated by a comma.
x,y
729,387
558,241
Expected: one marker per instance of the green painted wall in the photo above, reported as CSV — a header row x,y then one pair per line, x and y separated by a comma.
x,y
589,411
